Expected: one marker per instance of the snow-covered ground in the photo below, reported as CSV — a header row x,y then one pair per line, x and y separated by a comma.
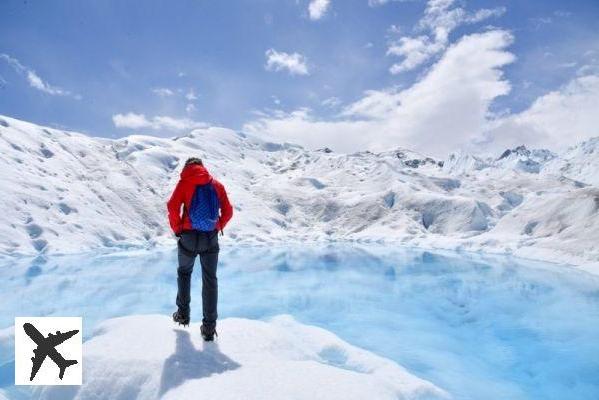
x,y
144,357
66,192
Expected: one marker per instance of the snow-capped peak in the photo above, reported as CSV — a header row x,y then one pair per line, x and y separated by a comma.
x,y
519,159
579,162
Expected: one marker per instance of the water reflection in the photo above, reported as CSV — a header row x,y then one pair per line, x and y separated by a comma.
x,y
480,327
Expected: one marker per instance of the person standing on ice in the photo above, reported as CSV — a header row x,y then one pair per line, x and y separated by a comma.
x,y
206,211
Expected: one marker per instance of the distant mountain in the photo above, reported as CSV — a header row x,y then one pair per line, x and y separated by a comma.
x,y
519,158
463,163
525,160
580,162
67,192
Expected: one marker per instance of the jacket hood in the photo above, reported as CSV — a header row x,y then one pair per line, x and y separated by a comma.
x,y
196,173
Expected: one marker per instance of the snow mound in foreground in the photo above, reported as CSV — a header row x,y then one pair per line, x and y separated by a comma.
x,y
146,357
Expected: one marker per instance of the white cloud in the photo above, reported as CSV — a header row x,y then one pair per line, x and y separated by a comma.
x,y
440,18
562,14
35,81
376,104
436,115
191,95
189,108
588,69
414,50
175,124
331,102
139,121
556,120
539,22
570,64
163,92
295,63
131,120
301,127
318,8
394,29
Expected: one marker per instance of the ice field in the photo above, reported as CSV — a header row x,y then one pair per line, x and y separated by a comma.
x,y
75,193
476,327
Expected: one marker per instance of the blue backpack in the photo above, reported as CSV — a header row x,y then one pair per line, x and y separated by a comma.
x,y
204,208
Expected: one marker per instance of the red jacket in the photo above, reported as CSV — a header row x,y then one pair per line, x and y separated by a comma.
x,y
191,176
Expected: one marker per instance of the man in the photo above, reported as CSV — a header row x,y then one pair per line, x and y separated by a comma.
x,y
206,211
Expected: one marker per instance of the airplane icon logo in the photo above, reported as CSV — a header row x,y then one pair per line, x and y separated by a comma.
x,y
63,348
46,347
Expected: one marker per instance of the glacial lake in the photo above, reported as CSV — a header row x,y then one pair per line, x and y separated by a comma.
x,y
478,327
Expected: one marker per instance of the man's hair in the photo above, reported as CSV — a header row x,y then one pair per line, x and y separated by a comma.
x,y
193,160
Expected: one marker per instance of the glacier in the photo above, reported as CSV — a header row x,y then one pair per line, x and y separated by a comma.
x,y
67,192
434,258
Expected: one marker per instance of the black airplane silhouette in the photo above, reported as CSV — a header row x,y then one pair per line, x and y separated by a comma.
x,y
46,347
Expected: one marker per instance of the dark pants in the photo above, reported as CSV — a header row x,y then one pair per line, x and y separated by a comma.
x,y
204,244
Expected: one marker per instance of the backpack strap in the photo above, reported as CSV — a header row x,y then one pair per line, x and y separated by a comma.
x,y
222,231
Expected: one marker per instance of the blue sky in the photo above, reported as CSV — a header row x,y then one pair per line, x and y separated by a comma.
x,y
112,68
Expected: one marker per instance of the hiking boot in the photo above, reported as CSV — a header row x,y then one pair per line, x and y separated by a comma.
x,y
208,333
180,318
